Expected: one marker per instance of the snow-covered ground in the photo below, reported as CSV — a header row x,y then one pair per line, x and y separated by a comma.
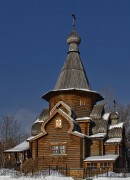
x,y
29,178
7,174
111,178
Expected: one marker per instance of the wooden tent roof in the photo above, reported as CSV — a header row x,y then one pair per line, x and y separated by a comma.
x,y
73,75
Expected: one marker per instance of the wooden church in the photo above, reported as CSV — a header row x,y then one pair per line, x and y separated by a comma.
x,y
75,131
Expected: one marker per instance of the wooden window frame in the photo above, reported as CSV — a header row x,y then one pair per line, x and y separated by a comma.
x,y
58,149
61,148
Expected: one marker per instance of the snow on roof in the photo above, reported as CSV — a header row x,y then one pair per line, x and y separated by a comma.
x,y
114,140
81,89
83,118
108,157
19,148
120,125
38,120
80,134
106,116
32,137
98,135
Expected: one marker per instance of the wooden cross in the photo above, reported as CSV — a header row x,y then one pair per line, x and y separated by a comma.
x,y
114,105
74,19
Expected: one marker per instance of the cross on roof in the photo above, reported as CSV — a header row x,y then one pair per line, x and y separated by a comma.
x,y
74,19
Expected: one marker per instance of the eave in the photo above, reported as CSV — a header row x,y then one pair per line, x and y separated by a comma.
x,y
47,96
108,157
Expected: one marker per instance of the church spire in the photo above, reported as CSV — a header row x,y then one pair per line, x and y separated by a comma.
x,y
73,74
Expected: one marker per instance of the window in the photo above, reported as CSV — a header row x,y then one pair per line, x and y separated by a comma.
x,y
103,165
58,123
92,165
61,149
58,149
82,102
55,149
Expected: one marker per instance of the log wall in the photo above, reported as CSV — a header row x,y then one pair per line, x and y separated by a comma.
x,y
84,127
96,148
74,101
33,148
111,149
74,145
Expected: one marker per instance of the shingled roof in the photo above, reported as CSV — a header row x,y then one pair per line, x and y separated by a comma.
x,y
73,74
97,112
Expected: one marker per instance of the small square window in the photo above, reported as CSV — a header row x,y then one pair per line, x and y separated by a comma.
x,y
88,164
105,164
58,149
108,164
101,164
93,165
58,123
54,149
82,102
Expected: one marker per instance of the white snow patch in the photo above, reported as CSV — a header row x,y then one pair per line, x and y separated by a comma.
x,y
98,135
19,148
10,174
120,125
80,134
58,178
106,116
7,177
83,118
32,137
38,121
114,178
114,140
108,157
81,89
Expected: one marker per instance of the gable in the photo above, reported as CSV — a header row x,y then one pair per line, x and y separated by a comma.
x,y
62,106
73,128
53,127
63,114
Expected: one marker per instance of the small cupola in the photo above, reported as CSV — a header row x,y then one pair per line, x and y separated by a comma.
x,y
73,40
114,118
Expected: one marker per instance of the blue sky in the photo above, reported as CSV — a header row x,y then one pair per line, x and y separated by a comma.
x,y
33,49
